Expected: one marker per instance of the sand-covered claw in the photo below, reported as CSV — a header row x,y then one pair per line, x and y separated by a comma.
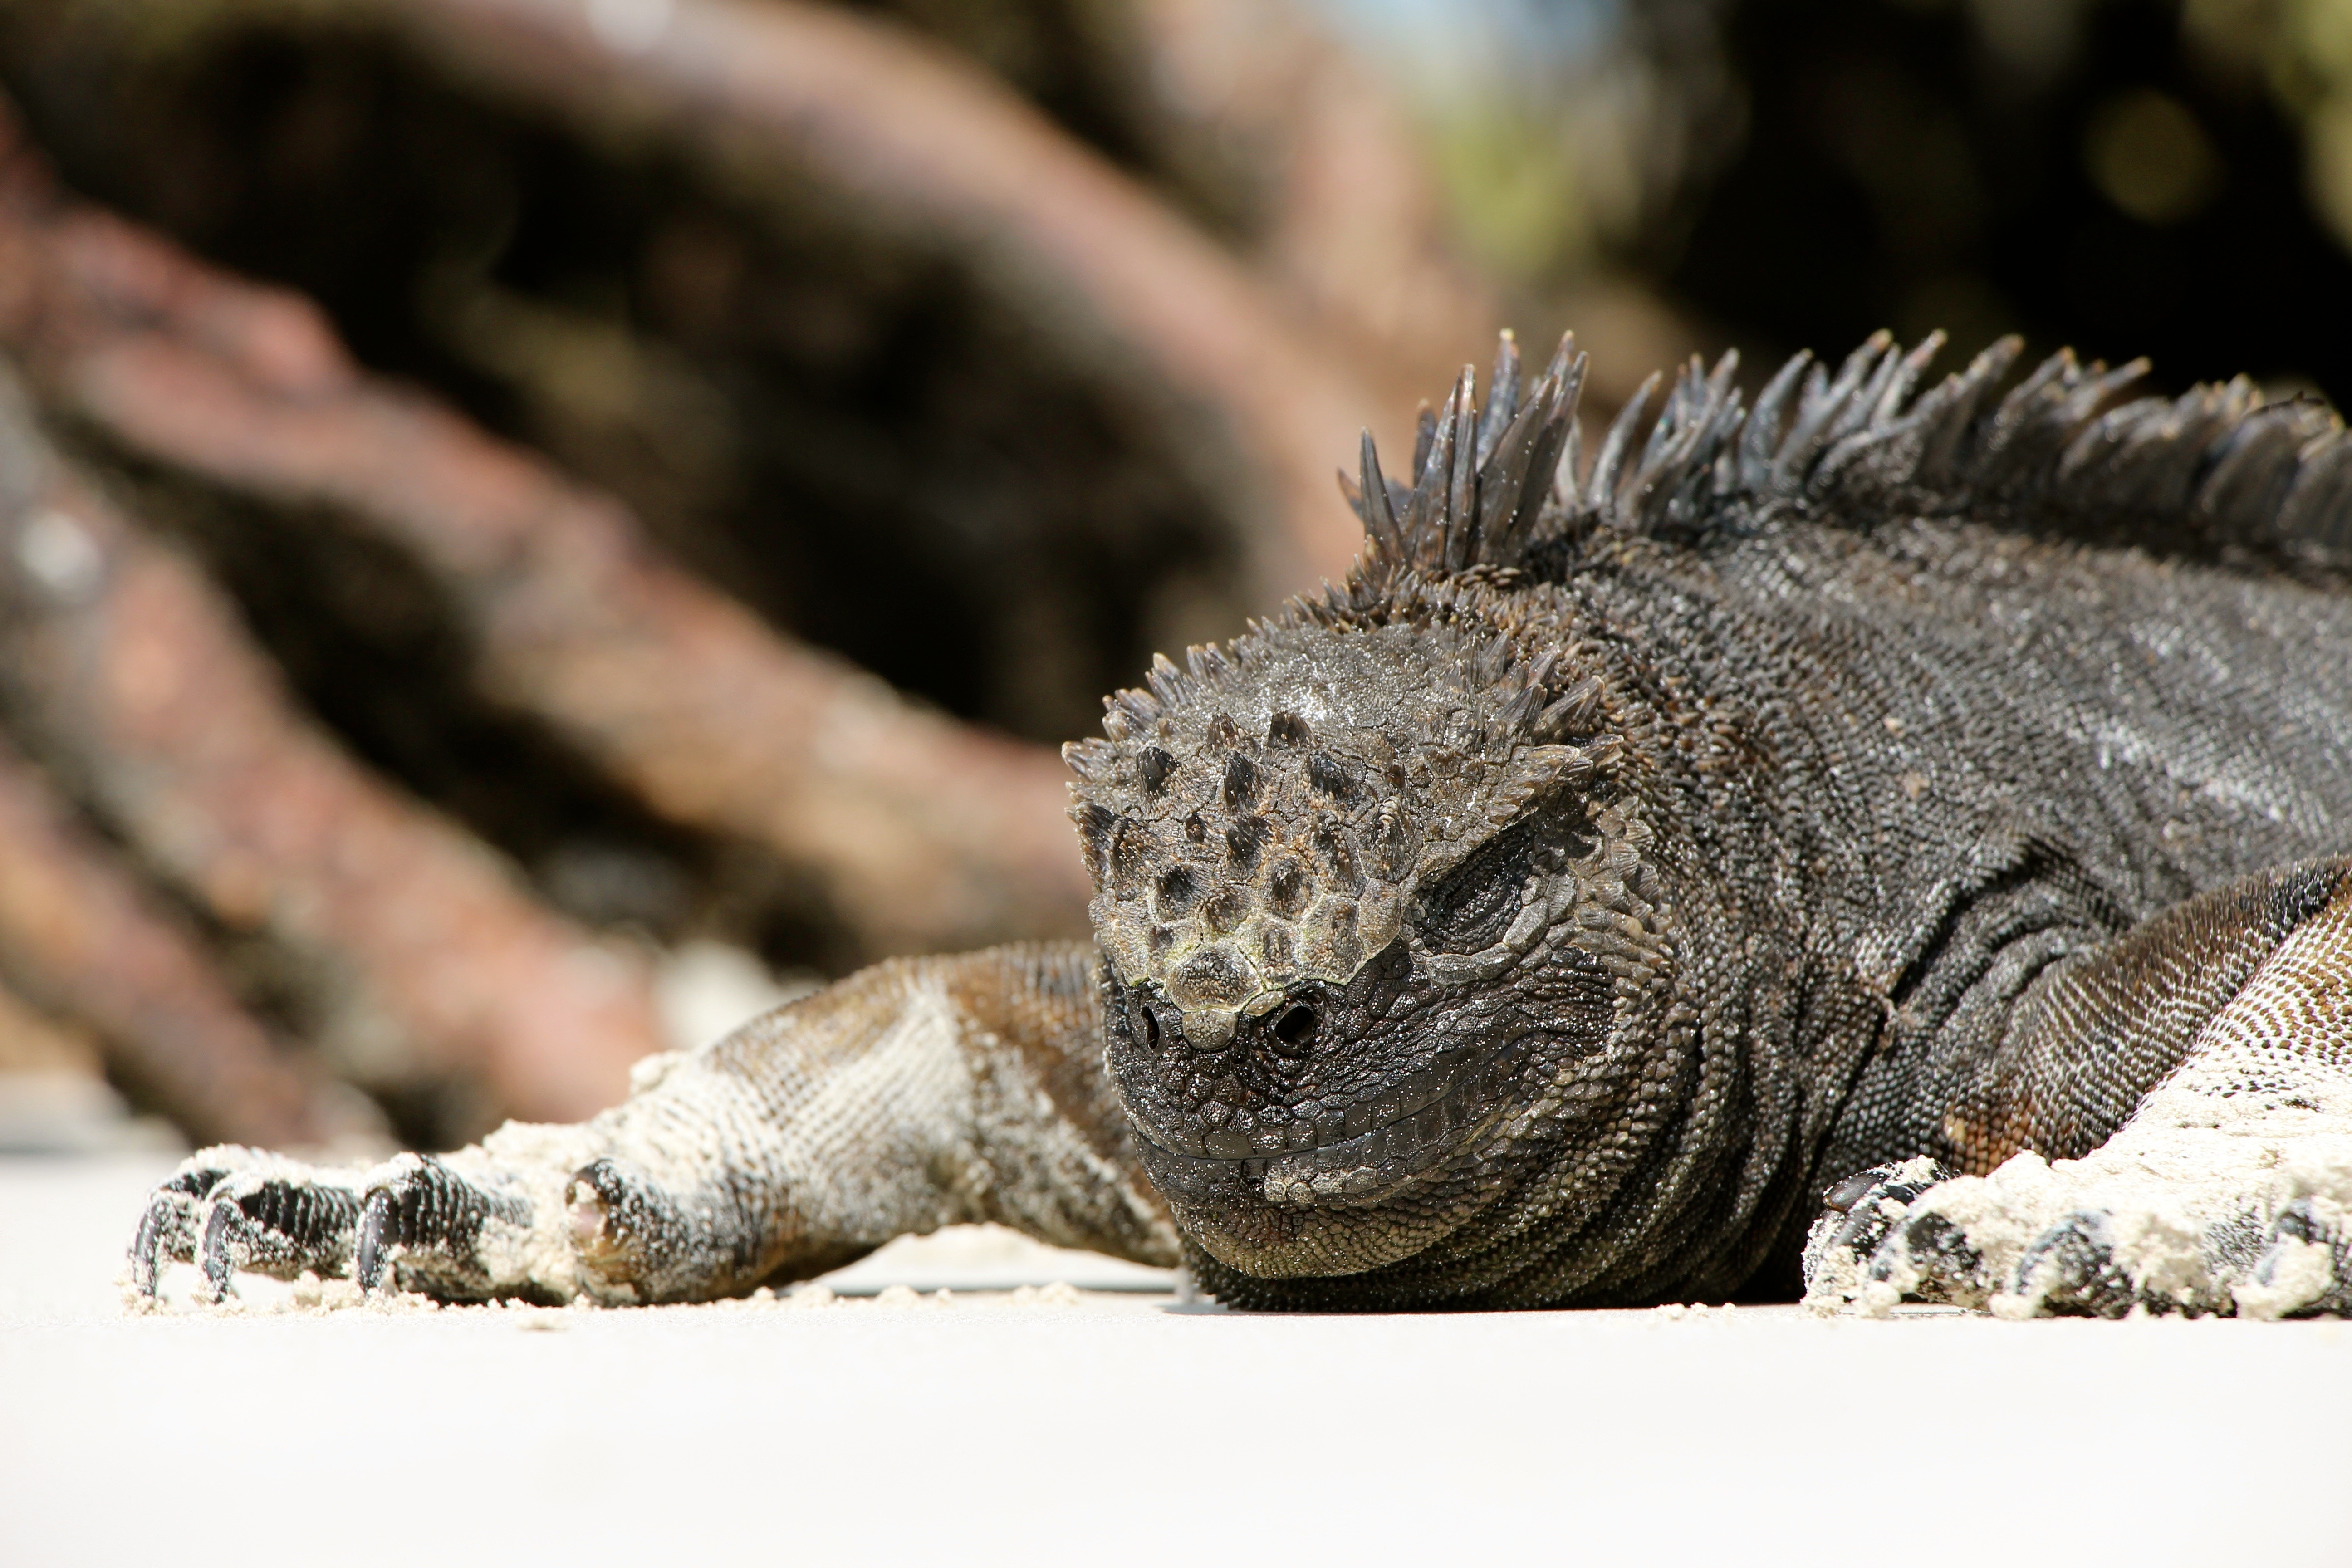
x,y
1858,1216
1926,1257
235,1209
2303,1267
422,1227
2071,1270
279,1224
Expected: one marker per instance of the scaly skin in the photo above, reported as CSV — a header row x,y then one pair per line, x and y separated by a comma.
x,y
1553,912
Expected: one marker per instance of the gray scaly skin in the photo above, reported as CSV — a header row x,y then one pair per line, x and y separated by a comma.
x,y
1937,802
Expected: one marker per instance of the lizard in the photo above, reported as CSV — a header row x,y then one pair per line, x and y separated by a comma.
x,y
1882,839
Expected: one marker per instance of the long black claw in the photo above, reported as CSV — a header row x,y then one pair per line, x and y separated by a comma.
x,y
1862,1210
423,1222
166,1235
220,1246
1842,1198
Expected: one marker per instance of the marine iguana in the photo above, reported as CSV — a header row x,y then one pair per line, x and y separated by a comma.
x,y
1930,804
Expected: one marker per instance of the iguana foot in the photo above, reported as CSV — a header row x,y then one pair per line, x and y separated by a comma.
x,y
237,1209
1857,1216
2165,1219
415,1223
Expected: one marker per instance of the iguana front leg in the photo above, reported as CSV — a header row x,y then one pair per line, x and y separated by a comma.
x,y
2227,1189
916,1094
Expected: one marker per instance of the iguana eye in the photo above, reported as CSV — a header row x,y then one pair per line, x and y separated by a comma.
x,y
1475,902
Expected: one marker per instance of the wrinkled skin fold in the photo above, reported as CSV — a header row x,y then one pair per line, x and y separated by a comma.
x,y
1887,844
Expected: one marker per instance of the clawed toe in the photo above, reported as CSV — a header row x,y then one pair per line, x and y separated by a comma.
x,y
628,1231
1927,1257
2304,1270
1860,1214
421,1225
282,1226
2071,1270
167,1233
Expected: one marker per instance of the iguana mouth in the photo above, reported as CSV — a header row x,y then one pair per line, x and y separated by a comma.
x,y
1372,1145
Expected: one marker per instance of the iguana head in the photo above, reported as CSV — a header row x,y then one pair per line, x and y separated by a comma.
x,y
1377,924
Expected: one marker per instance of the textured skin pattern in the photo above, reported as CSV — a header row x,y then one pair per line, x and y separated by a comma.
x,y
1629,853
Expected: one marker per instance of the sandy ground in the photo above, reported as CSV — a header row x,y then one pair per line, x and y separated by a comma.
x,y
1118,1426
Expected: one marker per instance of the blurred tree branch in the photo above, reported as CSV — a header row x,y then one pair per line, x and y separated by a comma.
x,y
925,833
781,102
122,663
80,936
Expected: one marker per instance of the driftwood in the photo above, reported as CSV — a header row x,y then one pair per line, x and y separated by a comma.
x,y
79,938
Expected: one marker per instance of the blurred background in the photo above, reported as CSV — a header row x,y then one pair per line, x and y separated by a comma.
x,y
531,530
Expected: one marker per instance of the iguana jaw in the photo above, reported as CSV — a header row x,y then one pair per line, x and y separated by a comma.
x,y
1359,1174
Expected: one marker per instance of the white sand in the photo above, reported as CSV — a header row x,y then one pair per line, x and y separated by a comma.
x,y
1124,1429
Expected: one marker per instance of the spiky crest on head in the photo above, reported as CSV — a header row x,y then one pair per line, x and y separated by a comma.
x,y
2216,471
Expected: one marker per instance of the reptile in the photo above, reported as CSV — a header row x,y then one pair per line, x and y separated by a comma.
x,y
1883,838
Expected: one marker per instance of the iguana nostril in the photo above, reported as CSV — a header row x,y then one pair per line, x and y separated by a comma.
x,y
1294,1031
